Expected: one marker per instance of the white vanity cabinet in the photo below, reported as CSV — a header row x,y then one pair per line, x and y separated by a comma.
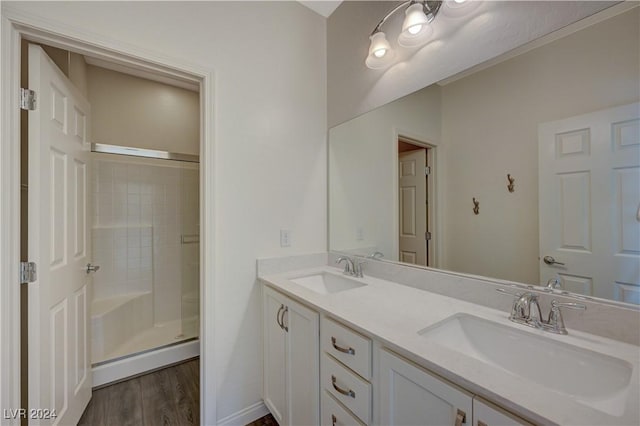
x,y
291,360
409,395
487,414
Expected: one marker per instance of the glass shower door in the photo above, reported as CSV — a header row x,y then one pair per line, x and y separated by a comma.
x,y
190,251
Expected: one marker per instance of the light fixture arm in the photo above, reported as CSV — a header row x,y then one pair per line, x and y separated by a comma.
x,y
390,13
432,9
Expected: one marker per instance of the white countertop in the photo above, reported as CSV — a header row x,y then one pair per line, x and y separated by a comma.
x,y
394,314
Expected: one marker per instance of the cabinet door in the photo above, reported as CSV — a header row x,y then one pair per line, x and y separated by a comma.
x,y
487,414
411,396
274,339
303,339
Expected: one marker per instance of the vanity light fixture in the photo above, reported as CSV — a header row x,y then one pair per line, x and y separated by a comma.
x,y
416,30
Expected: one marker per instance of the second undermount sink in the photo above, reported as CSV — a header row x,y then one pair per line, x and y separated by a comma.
x,y
326,283
590,378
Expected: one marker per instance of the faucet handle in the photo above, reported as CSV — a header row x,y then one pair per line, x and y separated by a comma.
x,y
555,324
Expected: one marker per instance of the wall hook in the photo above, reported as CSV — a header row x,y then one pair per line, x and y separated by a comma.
x,y
510,186
476,206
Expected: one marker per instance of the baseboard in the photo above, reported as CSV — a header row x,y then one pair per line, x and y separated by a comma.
x,y
135,365
245,416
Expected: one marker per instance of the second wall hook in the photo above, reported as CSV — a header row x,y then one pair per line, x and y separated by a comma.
x,y
476,206
510,186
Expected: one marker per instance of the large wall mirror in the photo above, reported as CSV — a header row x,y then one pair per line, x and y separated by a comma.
x,y
527,169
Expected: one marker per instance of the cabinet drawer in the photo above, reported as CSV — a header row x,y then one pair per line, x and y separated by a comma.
x,y
347,346
334,414
348,388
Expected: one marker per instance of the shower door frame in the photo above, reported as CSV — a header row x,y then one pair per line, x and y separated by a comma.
x,y
16,26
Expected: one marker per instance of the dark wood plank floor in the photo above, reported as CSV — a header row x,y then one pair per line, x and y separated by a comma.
x,y
267,420
165,397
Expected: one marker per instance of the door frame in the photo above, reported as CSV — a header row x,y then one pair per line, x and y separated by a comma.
x,y
434,208
15,26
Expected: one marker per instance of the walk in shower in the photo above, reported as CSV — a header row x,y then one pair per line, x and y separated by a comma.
x,y
146,240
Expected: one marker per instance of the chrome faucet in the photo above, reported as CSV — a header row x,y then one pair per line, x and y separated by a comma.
x,y
555,283
526,310
350,267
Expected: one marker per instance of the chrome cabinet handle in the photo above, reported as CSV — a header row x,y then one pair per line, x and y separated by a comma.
x,y
278,316
549,260
461,417
349,392
286,310
92,268
349,350
334,420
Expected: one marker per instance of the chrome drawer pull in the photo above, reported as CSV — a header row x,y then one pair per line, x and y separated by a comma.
x,y
349,351
278,316
461,417
349,392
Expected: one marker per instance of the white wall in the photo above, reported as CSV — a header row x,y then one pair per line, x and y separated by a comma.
x,y
269,60
362,173
459,42
490,122
141,113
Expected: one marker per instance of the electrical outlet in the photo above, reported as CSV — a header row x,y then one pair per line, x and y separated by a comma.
x,y
359,234
285,238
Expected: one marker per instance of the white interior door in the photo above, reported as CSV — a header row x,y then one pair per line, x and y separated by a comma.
x,y
589,196
413,207
59,358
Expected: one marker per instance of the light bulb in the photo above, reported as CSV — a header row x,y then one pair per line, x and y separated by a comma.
x,y
459,1
415,29
380,52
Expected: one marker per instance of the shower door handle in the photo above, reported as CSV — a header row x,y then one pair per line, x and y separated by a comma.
x,y
92,268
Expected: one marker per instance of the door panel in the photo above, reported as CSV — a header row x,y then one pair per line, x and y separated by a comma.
x,y
303,357
274,392
59,370
411,396
413,207
589,195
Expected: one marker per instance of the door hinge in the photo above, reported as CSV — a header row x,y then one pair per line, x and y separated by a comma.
x,y
427,170
427,235
27,99
27,272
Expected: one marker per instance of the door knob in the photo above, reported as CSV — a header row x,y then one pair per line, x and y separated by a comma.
x,y
549,260
92,268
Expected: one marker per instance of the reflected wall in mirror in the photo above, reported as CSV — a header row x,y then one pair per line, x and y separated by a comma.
x,y
561,120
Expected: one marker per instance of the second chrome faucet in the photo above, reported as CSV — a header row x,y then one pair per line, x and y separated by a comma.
x,y
350,267
526,310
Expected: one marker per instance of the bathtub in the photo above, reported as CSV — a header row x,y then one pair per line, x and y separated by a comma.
x,y
116,320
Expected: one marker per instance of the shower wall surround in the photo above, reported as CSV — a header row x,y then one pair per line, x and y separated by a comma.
x,y
139,211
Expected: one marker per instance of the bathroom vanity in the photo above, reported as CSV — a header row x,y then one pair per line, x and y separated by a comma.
x,y
342,350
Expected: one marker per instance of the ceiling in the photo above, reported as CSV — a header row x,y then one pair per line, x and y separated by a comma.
x,y
322,7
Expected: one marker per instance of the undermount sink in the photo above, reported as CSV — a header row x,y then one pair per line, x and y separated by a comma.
x,y
590,378
326,283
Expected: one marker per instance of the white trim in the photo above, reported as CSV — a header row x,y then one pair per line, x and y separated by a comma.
x,y
10,222
16,24
246,415
138,364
